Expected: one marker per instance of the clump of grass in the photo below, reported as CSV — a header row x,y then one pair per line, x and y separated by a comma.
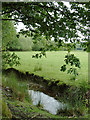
x,y
37,67
19,88
6,113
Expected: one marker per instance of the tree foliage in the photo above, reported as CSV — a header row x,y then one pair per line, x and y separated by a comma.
x,y
42,44
72,61
9,60
52,19
9,42
25,43
9,39
49,19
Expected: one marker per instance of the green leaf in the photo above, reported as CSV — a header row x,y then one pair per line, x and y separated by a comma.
x,y
63,68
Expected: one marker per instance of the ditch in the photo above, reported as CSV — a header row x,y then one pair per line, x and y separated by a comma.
x,y
61,100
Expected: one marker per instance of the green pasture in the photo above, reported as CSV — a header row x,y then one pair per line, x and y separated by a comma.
x,y
49,67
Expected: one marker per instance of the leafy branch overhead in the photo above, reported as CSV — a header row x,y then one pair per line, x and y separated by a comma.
x,y
72,61
50,19
9,60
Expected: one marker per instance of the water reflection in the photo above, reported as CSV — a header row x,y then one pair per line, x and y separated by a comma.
x,y
48,103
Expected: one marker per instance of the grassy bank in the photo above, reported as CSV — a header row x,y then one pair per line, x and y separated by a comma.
x,y
49,67
16,102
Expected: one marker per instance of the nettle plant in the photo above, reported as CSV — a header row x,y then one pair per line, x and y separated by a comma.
x,y
9,59
73,62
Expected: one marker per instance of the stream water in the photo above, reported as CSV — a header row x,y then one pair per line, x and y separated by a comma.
x,y
48,103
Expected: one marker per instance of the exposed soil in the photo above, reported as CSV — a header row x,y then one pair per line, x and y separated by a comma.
x,y
39,83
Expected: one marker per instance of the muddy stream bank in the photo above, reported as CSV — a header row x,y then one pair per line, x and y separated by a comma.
x,y
35,82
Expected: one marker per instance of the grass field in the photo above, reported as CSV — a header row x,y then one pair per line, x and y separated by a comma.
x,y
49,67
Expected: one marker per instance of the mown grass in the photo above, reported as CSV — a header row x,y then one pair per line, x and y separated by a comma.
x,y
49,67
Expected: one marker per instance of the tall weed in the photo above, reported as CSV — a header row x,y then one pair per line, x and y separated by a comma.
x,y
37,67
19,88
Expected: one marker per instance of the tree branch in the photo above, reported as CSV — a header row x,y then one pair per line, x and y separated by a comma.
x,y
11,20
